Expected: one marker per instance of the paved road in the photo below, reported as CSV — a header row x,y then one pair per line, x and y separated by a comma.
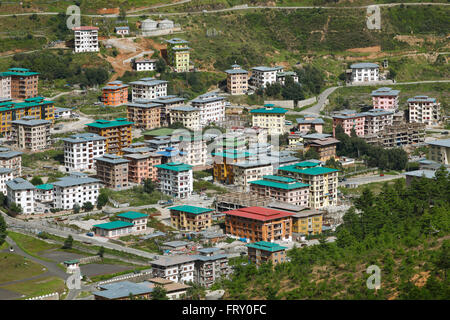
x,y
370,179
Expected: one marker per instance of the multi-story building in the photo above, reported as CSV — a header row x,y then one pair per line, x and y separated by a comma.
x,y
349,120
30,134
142,164
148,88
190,218
264,252
138,219
424,109
325,147
80,151
212,108
307,222
37,107
175,179
144,64
398,135
223,164
115,93
117,133
6,174
178,54
262,76
166,103
375,120
281,76
144,114
11,160
210,267
179,268
322,181
19,83
44,193
439,151
270,118
237,80
246,172
282,189
188,116
194,149
259,224
86,39
309,123
364,72
385,98
112,170
77,188
21,192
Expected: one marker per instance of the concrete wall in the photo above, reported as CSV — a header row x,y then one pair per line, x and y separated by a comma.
x,y
290,103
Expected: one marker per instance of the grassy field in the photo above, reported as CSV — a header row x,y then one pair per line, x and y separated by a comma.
x,y
37,287
135,196
31,245
15,267
375,187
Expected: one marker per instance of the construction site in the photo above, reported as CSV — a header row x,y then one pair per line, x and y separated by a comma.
x,y
398,135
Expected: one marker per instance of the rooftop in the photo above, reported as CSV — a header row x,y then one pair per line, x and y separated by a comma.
x,y
191,209
258,213
122,289
113,225
266,246
269,110
19,184
440,143
175,166
279,182
132,215
309,171
363,65
109,123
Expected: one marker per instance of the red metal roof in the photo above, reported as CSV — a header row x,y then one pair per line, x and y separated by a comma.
x,y
84,28
259,213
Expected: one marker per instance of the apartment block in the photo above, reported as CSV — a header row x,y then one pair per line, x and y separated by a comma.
x,y
178,54
210,266
270,118
117,133
259,224
307,222
212,108
19,83
142,162
377,120
364,72
190,218
21,192
78,188
423,109
262,76
246,172
175,179
439,151
349,120
11,160
266,252
144,114
167,102
237,80
325,147
385,98
6,174
283,189
80,151
44,193
309,123
86,39
194,149
398,135
148,88
38,108
112,170
223,164
30,134
180,268
322,181
188,116
115,94
281,76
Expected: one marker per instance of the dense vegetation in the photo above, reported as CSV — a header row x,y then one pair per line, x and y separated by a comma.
x,y
355,147
403,230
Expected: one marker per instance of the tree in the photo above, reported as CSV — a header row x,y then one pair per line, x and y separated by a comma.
x,y
76,208
15,208
68,242
161,65
101,251
2,230
88,206
36,181
311,154
149,186
102,200
159,293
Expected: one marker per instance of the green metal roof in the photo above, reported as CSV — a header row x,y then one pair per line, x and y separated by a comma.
x,y
175,166
266,246
46,186
10,105
109,123
280,185
269,110
132,215
114,225
309,171
191,209
307,164
279,178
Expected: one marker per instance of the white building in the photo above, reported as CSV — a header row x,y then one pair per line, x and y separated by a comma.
x,y
175,179
212,108
424,109
44,193
281,76
138,219
21,192
77,188
188,116
62,113
31,134
12,160
261,76
86,39
195,150
365,72
179,268
81,149
144,64
5,86
6,174
122,30
244,172
148,88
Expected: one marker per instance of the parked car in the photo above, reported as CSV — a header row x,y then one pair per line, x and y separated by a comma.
x,y
90,234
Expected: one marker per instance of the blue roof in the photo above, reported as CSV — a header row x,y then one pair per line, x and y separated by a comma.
x,y
364,65
122,289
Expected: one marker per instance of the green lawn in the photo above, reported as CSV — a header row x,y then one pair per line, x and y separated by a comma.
x,y
15,267
135,196
31,245
37,287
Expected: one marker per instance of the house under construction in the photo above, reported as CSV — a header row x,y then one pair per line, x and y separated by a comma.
x,y
398,135
237,200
